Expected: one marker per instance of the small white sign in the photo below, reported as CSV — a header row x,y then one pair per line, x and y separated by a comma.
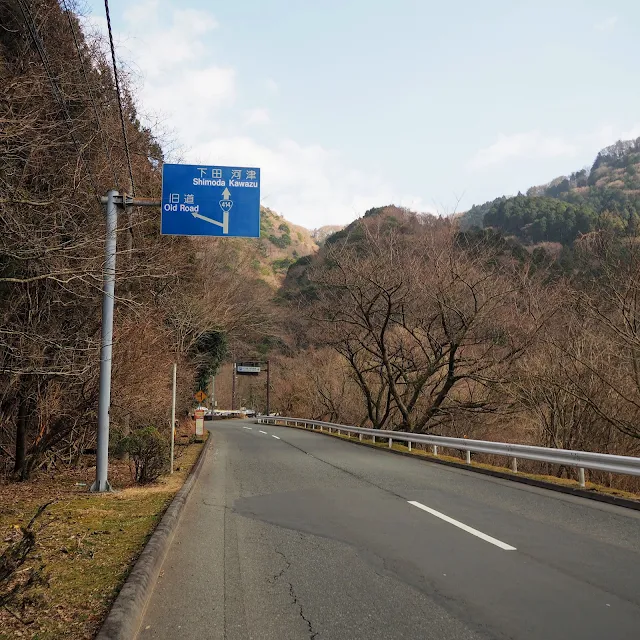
x,y
242,368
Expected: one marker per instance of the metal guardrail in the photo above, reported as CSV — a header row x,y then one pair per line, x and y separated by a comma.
x,y
625,465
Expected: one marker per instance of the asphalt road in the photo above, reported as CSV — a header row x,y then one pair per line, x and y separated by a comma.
x,y
305,536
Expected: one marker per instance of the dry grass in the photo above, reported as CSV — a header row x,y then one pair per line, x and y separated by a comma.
x,y
87,542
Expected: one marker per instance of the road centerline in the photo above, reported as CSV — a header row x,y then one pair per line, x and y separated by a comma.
x,y
261,431
250,428
276,437
464,527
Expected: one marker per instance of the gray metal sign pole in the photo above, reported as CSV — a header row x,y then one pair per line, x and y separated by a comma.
x,y
212,392
106,344
113,201
233,386
268,387
173,413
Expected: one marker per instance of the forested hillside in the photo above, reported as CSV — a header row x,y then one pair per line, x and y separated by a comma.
x,y
603,197
398,320
178,299
281,244
402,321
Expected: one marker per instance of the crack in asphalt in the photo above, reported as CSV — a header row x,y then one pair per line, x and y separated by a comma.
x,y
349,473
292,594
281,572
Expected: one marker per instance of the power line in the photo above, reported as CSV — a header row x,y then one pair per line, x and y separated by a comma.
x,y
33,30
93,102
115,75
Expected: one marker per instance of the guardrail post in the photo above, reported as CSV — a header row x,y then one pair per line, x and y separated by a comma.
x,y
360,437
514,465
583,484
435,449
468,456
409,443
321,428
373,439
390,443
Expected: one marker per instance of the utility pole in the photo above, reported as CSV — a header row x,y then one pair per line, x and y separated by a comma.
x,y
268,387
106,344
113,200
233,387
173,413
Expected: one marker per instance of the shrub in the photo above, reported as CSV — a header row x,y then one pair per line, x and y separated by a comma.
x,y
281,242
281,265
148,452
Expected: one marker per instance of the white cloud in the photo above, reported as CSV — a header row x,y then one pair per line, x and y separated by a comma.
x,y
158,47
531,144
310,185
175,55
607,25
257,117
191,100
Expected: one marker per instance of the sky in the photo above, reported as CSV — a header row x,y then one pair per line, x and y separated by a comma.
x,y
349,104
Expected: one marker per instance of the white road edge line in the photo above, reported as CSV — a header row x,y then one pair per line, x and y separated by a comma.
x,y
464,527
276,437
247,428
261,431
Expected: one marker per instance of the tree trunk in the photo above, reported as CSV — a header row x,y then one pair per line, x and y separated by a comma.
x,y
21,435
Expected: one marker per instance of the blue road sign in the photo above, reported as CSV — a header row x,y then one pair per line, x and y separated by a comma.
x,y
198,200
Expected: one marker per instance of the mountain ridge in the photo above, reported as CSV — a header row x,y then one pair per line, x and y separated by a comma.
x,y
603,196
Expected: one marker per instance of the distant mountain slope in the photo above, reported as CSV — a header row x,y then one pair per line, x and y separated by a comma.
x,y
322,233
281,243
378,220
605,196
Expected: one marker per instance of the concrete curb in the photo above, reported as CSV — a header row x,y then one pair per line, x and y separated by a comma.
x,y
582,493
125,616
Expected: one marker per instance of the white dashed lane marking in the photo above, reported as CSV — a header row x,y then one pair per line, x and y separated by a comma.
x,y
464,527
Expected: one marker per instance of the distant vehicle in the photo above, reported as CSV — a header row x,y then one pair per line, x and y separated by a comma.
x,y
250,413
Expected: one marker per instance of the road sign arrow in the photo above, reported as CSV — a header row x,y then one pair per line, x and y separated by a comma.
x,y
226,194
197,215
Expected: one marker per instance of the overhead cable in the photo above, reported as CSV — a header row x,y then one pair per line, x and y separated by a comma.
x,y
115,75
93,102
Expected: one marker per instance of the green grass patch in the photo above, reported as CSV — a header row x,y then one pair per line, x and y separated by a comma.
x,y
87,543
